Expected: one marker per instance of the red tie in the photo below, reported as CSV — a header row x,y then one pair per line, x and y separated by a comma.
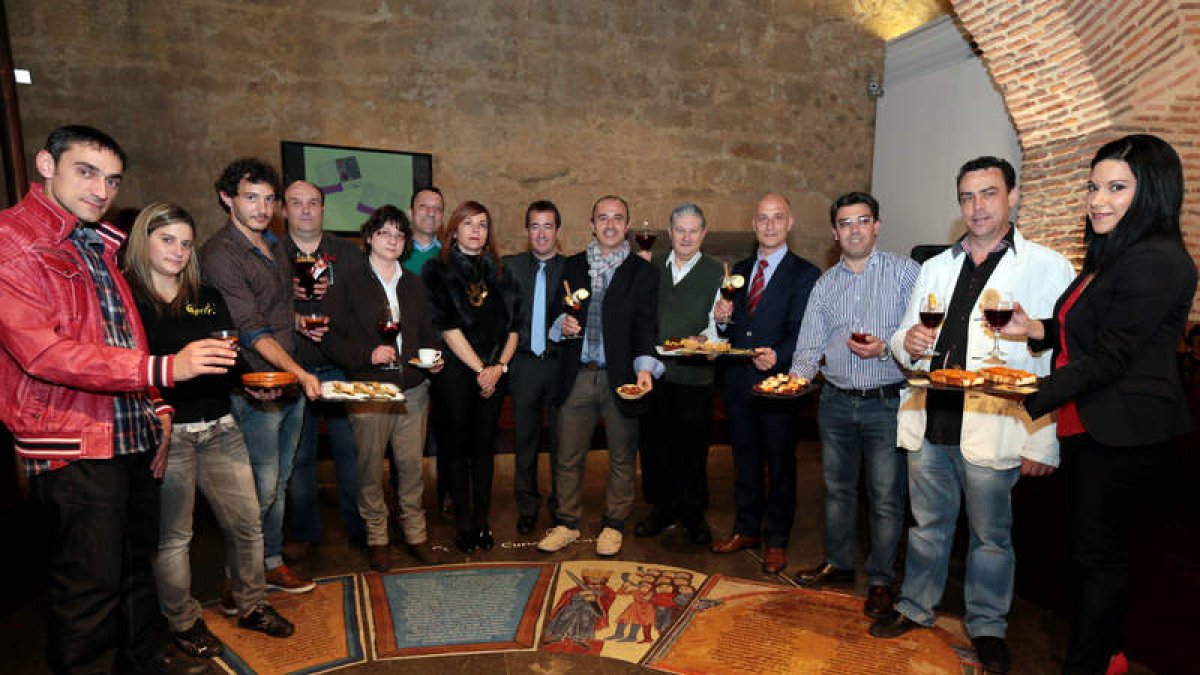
x,y
756,286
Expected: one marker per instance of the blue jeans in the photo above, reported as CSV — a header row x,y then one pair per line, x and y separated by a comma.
x,y
862,431
304,517
214,459
938,479
272,432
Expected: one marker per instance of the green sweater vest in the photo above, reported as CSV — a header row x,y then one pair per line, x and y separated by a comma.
x,y
683,310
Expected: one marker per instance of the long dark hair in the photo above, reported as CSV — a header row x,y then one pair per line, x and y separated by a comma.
x,y
1157,198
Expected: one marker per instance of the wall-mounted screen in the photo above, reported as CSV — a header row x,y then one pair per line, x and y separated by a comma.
x,y
356,181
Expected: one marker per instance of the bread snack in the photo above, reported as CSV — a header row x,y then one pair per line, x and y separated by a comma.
x,y
716,347
692,344
671,344
955,377
781,384
1008,376
365,389
630,392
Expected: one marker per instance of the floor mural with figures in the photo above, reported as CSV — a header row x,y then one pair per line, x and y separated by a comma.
x,y
666,618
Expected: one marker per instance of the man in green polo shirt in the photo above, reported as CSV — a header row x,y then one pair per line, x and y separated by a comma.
x,y
675,433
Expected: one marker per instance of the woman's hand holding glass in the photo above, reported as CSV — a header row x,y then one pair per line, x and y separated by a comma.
x,y
1021,325
383,355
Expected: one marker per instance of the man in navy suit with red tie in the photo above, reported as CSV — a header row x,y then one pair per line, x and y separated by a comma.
x,y
765,315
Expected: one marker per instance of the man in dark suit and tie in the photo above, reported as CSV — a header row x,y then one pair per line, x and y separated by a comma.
x,y
765,316
534,369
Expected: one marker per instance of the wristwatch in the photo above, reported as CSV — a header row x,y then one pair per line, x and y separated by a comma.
x,y
503,367
887,352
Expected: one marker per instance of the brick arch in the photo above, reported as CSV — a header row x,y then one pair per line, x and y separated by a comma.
x,y
1076,73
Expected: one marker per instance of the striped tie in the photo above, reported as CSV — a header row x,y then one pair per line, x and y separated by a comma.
x,y
756,286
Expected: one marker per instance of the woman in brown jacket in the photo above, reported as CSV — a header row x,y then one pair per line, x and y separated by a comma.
x,y
374,292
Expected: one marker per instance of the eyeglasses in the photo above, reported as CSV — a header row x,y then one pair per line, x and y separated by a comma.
x,y
861,220
388,234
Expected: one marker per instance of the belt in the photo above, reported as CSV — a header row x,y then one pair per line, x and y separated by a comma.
x,y
886,391
592,366
546,355
202,425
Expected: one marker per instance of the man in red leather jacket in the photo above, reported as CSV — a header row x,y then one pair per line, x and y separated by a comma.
x,y
79,393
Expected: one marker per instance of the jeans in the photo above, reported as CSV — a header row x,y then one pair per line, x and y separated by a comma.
x,y
855,432
303,514
374,425
938,479
591,398
103,520
215,460
272,433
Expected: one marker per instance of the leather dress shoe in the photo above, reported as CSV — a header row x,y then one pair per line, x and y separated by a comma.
x,y
525,524
651,525
993,653
700,534
485,540
880,601
775,561
892,625
822,574
736,542
467,542
378,558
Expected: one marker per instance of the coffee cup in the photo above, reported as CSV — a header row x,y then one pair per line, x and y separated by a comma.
x,y
429,356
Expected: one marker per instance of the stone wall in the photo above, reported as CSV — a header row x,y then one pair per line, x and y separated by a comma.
x,y
1076,74
660,101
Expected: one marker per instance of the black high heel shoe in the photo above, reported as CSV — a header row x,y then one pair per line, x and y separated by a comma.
x,y
485,539
467,542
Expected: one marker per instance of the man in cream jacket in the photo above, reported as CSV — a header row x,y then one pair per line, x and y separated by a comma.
x,y
972,447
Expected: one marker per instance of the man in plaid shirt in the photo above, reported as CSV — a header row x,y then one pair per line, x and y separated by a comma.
x,y
79,392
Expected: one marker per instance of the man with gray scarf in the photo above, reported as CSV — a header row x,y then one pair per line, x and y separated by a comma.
x,y
608,343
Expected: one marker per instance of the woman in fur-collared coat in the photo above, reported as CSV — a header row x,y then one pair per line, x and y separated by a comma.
x,y
475,308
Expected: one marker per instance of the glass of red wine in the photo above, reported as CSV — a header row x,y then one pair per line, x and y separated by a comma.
x,y
389,329
645,237
932,312
303,265
997,312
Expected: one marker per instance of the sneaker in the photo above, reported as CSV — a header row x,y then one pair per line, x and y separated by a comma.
x,y
609,542
283,579
558,538
198,641
227,606
265,619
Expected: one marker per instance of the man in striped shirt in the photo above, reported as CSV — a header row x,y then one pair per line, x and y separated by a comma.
x,y
855,306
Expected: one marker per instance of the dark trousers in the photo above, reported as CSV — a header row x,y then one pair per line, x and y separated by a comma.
x,y
1107,488
531,383
467,437
103,516
763,432
674,448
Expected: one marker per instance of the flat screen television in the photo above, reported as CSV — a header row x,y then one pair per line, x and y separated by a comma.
x,y
356,181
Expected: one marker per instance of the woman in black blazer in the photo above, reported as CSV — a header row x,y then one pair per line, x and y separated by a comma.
x,y
1115,385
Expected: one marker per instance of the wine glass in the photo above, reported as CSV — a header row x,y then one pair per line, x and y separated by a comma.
x,y
997,311
573,305
389,329
933,311
645,237
302,266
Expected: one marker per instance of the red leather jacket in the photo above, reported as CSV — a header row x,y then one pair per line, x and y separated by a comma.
x,y
57,375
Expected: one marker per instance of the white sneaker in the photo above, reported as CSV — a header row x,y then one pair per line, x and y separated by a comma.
x,y
609,542
558,538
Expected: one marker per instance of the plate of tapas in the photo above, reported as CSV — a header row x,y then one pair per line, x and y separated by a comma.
x,y
998,380
268,380
335,390
694,347
783,386
631,392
